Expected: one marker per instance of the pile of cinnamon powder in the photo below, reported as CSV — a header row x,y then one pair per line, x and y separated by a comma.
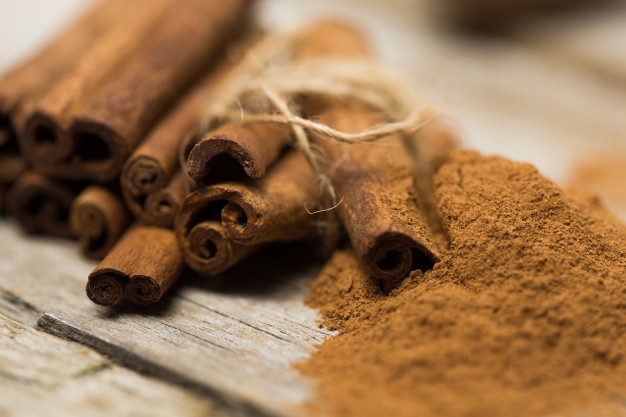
x,y
524,316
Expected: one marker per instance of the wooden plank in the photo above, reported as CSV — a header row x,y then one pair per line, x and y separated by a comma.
x,y
232,341
44,375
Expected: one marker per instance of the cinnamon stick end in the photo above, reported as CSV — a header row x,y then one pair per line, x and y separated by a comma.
x,y
143,291
393,258
106,288
143,175
218,159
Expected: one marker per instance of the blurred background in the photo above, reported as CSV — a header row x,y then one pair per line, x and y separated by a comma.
x,y
538,81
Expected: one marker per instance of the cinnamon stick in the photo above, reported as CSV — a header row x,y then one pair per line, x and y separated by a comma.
x,y
142,266
144,69
156,160
380,209
26,82
161,206
207,249
98,217
235,151
271,209
42,205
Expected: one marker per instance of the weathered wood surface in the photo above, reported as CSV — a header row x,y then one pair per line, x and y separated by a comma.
x,y
43,375
233,340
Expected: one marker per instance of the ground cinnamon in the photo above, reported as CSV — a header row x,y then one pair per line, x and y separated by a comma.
x,y
98,217
42,205
166,52
523,316
142,266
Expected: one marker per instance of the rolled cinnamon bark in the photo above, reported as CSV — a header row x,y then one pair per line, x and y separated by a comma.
x,y
42,205
142,266
98,217
434,142
235,151
144,68
271,209
380,209
25,83
207,249
161,206
156,161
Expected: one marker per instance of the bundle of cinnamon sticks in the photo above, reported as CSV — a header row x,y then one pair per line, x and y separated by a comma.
x,y
93,129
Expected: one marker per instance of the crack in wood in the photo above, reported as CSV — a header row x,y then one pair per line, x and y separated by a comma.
x,y
237,405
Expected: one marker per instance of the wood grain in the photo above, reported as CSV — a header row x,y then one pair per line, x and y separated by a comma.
x,y
233,338
42,374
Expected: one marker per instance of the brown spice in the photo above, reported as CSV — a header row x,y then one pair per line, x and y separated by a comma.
x,y
270,209
143,265
523,316
235,151
161,206
41,205
375,183
98,217
95,127
25,83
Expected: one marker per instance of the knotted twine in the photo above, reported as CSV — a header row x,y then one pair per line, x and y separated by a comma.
x,y
264,85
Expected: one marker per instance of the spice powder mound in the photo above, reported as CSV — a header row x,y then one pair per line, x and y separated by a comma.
x,y
525,315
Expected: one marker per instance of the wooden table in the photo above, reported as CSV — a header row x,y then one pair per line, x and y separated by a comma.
x,y
549,92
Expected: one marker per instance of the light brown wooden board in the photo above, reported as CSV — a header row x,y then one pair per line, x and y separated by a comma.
x,y
233,341
43,375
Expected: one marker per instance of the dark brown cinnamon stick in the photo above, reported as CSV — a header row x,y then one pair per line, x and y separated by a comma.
x,y
26,82
165,53
156,161
234,151
42,205
98,217
237,150
142,266
381,208
271,209
208,250
161,206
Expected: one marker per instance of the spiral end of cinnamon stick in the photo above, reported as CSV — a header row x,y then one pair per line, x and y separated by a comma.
x,y
143,175
41,205
44,141
208,250
143,291
160,209
218,159
106,289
